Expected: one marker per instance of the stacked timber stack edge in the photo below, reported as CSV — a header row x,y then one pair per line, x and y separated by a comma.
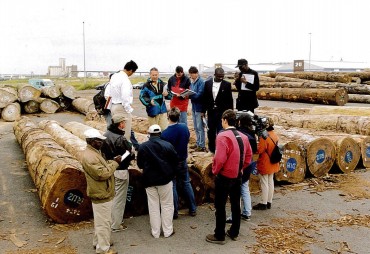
x,y
58,176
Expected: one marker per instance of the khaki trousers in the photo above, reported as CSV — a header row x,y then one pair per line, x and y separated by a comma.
x,y
160,204
118,109
119,201
160,119
267,188
102,222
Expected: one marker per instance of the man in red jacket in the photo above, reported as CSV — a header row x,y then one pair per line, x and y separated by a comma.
x,y
227,168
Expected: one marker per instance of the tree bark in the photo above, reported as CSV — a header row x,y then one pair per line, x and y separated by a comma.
x,y
83,105
48,106
359,98
7,95
11,112
324,96
67,91
58,177
347,154
27,93
329,110
136,202
319,76
31,107
51,91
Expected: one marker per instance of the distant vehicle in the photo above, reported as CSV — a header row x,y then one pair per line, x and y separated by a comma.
x,y
40,83
138,85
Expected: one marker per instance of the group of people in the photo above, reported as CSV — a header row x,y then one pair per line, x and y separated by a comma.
x,y
163,158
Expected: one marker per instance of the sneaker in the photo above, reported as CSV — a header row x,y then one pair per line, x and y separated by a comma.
x,y
94,246
212,239
268,205
260,206
229,220
175,216
193,147
121,228
193,214
245,217
234,238
173,232
111,251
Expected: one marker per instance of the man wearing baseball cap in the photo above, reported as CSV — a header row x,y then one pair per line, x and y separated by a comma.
x,y
117,144
247,83
100,188
158,159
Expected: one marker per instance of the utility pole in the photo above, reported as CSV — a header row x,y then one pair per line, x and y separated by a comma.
x,y
309,57
83,34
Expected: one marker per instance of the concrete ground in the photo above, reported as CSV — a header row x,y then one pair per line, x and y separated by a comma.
x,y
303,219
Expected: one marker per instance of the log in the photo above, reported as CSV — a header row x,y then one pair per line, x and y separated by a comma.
x,y
318,76
48,106
27,93
203,166
83,105
58,177
136,202
325,96
51,91
11,112
31,107
197,184
347,154
365,152
7,95
351,111
67,91
78,129
359,98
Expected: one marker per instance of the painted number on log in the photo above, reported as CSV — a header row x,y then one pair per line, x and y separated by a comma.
x,y
368,151
320,156
349,157
291,164
55,203
73,198
130,192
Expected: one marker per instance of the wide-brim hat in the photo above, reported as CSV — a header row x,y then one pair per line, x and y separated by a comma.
x,y
93,133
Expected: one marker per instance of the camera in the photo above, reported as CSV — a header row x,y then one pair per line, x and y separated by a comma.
x,y
247,119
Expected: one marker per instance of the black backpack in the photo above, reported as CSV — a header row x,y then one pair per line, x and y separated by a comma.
x,y
276,154
100,101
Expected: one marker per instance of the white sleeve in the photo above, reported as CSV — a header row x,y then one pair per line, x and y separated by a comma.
x,y
107,92
127,98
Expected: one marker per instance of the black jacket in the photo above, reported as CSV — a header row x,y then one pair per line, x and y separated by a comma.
x,y
224,98
247,99
158,159
116,144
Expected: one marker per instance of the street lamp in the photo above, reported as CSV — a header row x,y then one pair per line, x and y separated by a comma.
x,y
309,57
83,34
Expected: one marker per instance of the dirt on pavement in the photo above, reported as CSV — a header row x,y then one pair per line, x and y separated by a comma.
x,y
328,215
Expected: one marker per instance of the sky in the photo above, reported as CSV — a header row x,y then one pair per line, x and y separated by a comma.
x,y
167,33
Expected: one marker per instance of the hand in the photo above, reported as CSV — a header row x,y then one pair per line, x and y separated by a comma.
x,y
236,75
152,102
165,93
243,80
118,158
202,115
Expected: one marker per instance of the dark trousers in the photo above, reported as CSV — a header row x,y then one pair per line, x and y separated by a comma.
x,y
214,127
225,187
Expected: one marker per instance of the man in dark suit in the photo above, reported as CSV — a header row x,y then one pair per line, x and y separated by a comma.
x,y
217,98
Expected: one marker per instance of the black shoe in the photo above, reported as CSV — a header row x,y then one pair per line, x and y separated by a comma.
x,y
212,239
175,216
193,214
229,221
234,238
260,207
268,205
245,217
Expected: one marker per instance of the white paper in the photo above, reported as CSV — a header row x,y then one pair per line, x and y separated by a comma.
x,y
187,92
249,78
124,156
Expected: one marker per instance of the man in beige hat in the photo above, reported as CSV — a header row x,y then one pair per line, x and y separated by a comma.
x,y
114,145
100,188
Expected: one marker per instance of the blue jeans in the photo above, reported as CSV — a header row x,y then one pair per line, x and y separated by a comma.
x,y
184,118
182,182
198,128
246,196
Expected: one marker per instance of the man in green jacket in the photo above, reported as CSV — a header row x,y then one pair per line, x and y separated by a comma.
x,y
99,175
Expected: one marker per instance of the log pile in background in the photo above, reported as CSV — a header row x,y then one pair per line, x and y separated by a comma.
x,y
58,176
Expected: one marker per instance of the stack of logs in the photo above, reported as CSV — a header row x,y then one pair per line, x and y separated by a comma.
x,y
28,99
316,87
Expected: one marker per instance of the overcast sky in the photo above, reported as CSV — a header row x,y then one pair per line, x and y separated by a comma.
x,y
166,33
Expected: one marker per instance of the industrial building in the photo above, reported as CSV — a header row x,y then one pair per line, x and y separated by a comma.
x,y
62,70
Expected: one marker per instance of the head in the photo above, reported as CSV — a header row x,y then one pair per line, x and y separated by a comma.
x,y
242,64
130,68
246,122
119,121
154,74
228,118
179,72
270,124
154,130
174,114
219,74
193,73
94,138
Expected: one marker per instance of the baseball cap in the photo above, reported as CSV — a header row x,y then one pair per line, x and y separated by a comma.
x,y
241,62
93,133
118,118
155,128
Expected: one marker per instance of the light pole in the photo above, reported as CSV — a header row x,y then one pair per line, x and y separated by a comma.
x,y
309,57
83,34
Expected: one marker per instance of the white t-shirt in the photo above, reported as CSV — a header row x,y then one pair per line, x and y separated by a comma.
x,y
120,89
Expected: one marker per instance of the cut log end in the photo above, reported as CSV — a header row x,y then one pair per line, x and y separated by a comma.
x,y
320,156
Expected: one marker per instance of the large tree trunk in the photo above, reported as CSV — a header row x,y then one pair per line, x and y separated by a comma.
x,y
359,98
329,110
58,177
67,91
51,91
78,129
48,105
83,105
31,107
27,93
11,112
136,202
324,96
319,76
347,154
7,95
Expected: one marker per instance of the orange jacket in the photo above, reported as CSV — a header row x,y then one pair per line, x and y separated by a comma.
x,y
264,165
